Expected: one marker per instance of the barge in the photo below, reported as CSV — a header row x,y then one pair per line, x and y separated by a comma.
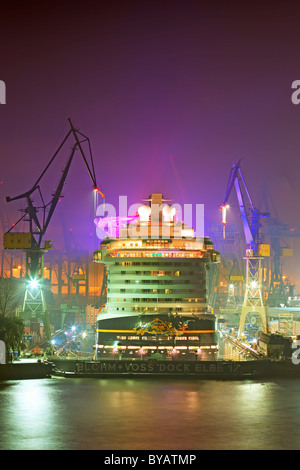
x,y
26,370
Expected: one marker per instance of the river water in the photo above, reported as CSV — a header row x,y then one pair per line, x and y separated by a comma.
x,y
149,414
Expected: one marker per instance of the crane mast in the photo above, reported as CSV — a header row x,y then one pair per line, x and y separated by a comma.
x,y
32,242
255,251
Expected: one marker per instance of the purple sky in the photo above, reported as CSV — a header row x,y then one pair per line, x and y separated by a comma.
x,y
206,82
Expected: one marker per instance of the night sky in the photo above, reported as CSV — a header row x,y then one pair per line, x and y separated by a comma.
x,y
206,82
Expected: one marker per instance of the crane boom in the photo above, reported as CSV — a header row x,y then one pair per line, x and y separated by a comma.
x,y
251,222
39,227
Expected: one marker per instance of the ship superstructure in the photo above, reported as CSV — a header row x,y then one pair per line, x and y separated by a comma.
x,y
157,280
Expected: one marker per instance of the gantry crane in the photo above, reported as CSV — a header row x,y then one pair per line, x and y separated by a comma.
x,y
32,242
256,250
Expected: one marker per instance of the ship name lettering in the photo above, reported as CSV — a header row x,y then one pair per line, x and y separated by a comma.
x,y
105,366
204,368
135,367
219,368
79,367
88,367
146,367
174,367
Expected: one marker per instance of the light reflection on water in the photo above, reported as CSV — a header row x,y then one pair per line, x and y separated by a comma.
x,y
147,414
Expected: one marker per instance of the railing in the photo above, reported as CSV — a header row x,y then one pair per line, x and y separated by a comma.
x,y
243,347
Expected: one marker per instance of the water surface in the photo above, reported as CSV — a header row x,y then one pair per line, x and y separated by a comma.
x,y
147,414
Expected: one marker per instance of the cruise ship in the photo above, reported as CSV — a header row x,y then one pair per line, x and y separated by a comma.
x,y
158,280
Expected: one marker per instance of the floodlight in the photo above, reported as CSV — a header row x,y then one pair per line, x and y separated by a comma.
x,y
34,283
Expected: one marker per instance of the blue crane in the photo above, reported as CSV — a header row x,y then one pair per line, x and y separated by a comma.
x,y
253,298
250,216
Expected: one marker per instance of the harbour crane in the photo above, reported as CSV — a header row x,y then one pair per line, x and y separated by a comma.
x,y
39,217
279,235
255,251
